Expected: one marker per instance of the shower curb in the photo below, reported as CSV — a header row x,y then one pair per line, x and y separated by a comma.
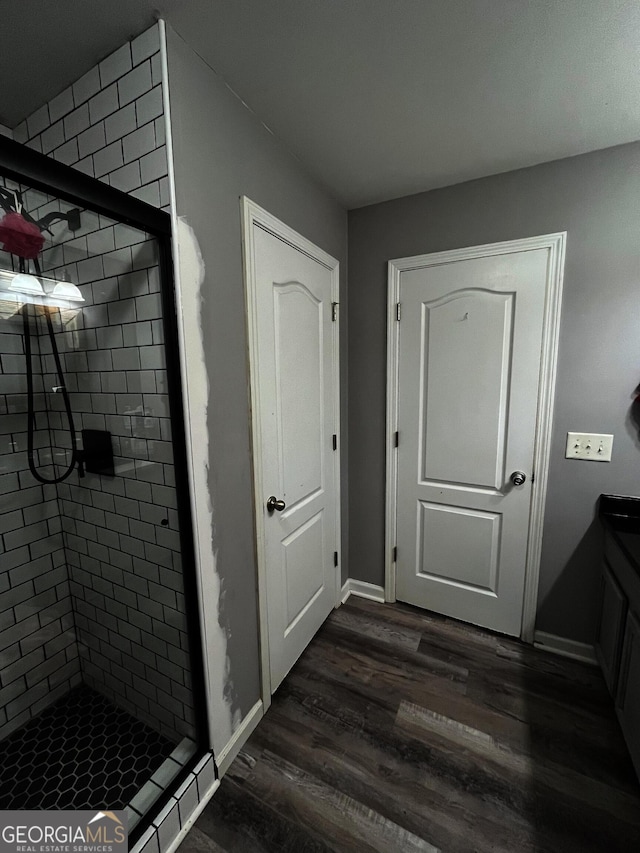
x,y
170,827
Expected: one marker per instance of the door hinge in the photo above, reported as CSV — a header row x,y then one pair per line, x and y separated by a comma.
x,y
397,310
335,558
395,554
335,441
334,311
396,439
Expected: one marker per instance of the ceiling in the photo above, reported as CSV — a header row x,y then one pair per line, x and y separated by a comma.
x,y
377,98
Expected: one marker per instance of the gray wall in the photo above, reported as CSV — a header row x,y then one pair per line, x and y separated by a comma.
x,y
221,151
596,199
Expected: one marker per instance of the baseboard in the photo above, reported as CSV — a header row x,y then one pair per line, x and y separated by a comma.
x,y
567,648
362,589
346,590
240,737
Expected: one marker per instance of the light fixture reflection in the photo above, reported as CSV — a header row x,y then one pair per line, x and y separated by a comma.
x,y
68,291
24,283
26,289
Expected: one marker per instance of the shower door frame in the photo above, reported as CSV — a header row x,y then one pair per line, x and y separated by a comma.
x,y
40,172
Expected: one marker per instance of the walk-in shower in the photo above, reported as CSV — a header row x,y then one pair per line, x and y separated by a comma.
x,y
101,696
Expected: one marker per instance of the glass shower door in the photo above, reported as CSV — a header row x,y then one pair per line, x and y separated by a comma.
x,y
98,658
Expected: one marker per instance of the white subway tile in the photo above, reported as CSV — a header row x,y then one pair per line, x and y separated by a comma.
x,y
139,143
128,235
135,83
149,106
101,242
104,103
105,291
86,87
137,334
77,121
154,165
160,131
127,358
152,358
156,69
110,337
91,140
38,121
75,250
108,159
118,262
168,825
127,178
120,123
205,774
20,132
153,277
149,307
89,270
149,193
36,143
141,381
187,796
145,255
67,153
52,137
61,105
146,44
86,165
116,65
165,197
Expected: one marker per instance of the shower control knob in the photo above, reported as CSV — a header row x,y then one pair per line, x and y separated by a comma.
x,y
274,503
518,478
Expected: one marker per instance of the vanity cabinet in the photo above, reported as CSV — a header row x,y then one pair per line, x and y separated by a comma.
x,y
618,635
611,627
628,696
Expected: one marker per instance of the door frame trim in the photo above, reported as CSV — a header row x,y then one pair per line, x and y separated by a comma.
x,y
253,214
556,244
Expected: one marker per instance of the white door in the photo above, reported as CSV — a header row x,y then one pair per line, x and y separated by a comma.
x,y
292,286
469,355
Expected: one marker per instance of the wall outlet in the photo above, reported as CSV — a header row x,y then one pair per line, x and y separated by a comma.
x,y
592,446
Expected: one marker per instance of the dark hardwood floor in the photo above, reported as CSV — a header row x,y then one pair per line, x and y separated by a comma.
x,y
403,731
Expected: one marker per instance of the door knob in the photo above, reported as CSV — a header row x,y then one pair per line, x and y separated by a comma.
x,y
274,503
518,478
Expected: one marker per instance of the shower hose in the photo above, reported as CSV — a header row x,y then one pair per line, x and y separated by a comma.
x,y
76,455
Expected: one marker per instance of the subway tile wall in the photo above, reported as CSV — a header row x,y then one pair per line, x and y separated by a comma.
x,y
117,537
121,533
38,651
110,123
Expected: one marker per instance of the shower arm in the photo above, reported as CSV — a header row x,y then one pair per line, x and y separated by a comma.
x,y
8,199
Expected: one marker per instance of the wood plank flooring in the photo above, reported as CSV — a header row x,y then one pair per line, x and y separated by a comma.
x,y
399,730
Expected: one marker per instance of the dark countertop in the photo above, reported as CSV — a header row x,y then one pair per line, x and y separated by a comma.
x,y
621,516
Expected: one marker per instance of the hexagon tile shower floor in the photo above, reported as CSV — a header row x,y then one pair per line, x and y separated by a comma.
x,y
81,753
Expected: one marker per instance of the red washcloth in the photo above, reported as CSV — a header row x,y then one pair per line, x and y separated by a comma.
x,y
20,237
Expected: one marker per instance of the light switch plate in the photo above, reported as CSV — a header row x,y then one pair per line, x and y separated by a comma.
x,y
589,445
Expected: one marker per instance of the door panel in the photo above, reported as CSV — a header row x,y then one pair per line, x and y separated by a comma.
x,y
466,341
296,392
304,558
460,546
299,369
468,372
